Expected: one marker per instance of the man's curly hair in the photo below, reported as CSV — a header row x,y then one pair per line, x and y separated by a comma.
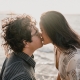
x,y
15,30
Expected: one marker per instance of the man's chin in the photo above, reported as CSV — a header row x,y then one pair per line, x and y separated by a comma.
x,y
40,46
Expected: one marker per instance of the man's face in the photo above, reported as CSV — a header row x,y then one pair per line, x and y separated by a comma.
x,y
36,39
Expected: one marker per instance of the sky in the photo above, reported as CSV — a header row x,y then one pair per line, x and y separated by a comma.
x,y
37,7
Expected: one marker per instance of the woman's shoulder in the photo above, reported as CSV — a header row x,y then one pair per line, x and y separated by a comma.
x,y
74,63
57,56
70,56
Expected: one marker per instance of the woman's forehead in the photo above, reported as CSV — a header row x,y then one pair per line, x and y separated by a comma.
x,y
41,26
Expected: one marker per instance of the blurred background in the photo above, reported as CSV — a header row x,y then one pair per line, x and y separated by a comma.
x,y
44,57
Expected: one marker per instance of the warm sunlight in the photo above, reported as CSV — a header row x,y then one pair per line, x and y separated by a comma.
x,y
36,7
47,58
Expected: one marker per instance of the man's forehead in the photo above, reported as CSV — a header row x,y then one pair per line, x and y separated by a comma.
x,y
34,27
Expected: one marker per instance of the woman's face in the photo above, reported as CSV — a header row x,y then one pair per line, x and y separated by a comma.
x,y
46,39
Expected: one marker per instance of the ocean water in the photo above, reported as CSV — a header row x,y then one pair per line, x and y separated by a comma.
x,y
44,57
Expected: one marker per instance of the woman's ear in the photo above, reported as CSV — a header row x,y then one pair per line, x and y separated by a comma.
x,y
26,44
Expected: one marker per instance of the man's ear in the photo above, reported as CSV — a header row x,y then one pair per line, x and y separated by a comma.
x,y
26,44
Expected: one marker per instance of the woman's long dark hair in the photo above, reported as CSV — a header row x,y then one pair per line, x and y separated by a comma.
x,y
59,31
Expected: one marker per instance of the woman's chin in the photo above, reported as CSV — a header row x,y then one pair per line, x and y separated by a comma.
x,y
44,43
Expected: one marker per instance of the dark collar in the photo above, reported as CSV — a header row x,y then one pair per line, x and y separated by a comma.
x,y
27,58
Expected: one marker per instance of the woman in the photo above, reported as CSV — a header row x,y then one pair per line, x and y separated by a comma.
x,y
56,30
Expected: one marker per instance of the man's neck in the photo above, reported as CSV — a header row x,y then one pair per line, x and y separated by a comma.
x,y
28,52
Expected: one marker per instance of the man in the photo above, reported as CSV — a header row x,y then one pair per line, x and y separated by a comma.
x,y
22,38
